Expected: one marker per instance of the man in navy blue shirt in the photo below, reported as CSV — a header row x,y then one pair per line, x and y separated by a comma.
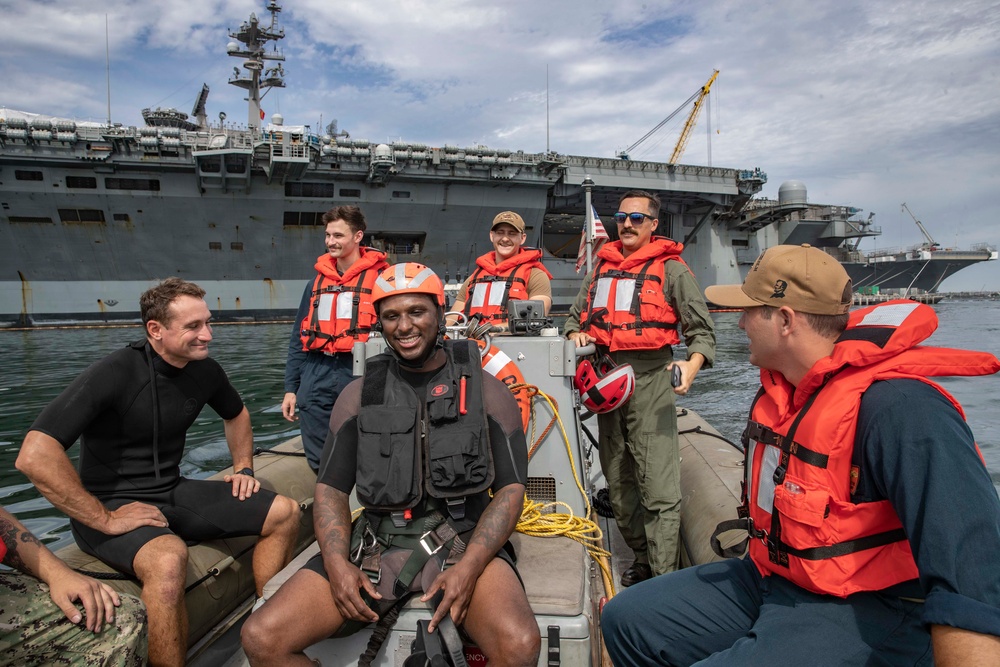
x,y
874,525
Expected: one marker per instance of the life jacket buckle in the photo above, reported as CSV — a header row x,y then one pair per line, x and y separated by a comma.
x,y
399,519
757,533
779,474
430,543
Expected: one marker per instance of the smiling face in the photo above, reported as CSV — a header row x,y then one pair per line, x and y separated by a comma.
x,y
506,240
410,324
343,243
635,236
185,335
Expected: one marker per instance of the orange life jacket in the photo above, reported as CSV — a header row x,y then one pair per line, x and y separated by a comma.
x,y
341,310
799,445
492,285
626,308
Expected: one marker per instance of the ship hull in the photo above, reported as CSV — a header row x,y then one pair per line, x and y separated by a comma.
x,y
924,275
85,228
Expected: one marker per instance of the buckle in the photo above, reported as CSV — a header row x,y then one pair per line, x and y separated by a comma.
x,y
366,545
757,533
431,546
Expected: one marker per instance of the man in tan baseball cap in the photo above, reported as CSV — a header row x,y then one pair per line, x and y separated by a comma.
x,y
861,477
804,278
795,301
508,272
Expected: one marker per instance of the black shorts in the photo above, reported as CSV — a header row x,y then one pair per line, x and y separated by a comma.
x,y
195,510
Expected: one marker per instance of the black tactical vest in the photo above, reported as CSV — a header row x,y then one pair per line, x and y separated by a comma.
x,y
410,449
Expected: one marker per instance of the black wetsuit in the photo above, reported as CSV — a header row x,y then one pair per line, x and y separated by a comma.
x,y
109,407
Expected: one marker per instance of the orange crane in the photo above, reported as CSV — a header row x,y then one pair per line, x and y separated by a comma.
x,y
692,119
699,99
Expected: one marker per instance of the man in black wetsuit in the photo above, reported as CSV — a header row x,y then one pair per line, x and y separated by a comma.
x,y
472,438
129,504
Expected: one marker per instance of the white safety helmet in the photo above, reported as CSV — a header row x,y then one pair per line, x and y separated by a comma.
x,y
605,387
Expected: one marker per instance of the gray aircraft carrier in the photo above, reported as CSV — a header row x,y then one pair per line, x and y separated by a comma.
x,y
93,214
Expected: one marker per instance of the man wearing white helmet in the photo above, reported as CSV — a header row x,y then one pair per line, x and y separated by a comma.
x,y
426,399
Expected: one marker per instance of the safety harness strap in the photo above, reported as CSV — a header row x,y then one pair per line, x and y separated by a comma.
x,y
424,538
767,436
849,546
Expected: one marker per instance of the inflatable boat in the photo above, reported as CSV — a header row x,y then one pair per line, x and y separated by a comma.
x,y
567,578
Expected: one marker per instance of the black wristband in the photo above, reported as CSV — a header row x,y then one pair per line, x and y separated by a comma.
x,y
246,471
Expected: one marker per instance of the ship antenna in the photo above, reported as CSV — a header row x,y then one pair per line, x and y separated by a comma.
x,y
546,109
255,36
107,62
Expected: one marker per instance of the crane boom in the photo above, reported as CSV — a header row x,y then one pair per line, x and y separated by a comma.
x,y
698,98
930,241
692,119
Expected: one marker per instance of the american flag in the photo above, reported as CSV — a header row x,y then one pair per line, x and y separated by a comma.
x,y
600,236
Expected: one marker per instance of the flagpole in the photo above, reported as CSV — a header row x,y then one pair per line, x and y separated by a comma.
x,y
589,226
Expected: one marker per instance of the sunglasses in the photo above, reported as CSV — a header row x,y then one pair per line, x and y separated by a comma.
x,y
636,218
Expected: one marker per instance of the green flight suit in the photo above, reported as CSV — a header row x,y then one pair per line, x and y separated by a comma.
x,y
638,442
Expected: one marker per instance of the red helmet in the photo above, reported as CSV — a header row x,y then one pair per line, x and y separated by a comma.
x,y
606,387
408,278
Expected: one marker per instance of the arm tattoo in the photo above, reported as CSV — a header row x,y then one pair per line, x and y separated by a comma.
x,y
499,519
330,522
12,535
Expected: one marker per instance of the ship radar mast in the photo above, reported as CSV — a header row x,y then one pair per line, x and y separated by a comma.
x,y
254,38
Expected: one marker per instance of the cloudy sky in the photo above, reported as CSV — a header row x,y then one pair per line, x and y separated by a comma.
x,y
869,103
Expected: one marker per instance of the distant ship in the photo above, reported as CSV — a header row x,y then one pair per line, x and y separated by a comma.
x,y
92,214
918,269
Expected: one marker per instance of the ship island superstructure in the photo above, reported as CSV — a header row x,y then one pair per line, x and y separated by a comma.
x,y
92,214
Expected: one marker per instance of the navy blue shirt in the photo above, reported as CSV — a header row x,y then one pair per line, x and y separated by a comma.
x,y
915,450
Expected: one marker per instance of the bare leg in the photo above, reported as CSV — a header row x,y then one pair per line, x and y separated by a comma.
x,y
500,619
300,614
161,566
274,548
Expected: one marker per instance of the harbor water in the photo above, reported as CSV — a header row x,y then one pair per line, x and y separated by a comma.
x,y
38,364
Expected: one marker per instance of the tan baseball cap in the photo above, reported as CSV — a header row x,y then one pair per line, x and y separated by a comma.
x,y
511,218
804,278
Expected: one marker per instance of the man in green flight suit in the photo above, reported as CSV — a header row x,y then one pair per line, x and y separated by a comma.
x,y
630,305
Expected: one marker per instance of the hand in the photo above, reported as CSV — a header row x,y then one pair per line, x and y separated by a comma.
x,y
458,584
288,406
98,599
581,339
689,370
244,486
346,582
134,515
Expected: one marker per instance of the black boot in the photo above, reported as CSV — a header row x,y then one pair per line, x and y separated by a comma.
x,y
638,572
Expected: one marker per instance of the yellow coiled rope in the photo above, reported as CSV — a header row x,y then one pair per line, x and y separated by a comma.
x,y
538,519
